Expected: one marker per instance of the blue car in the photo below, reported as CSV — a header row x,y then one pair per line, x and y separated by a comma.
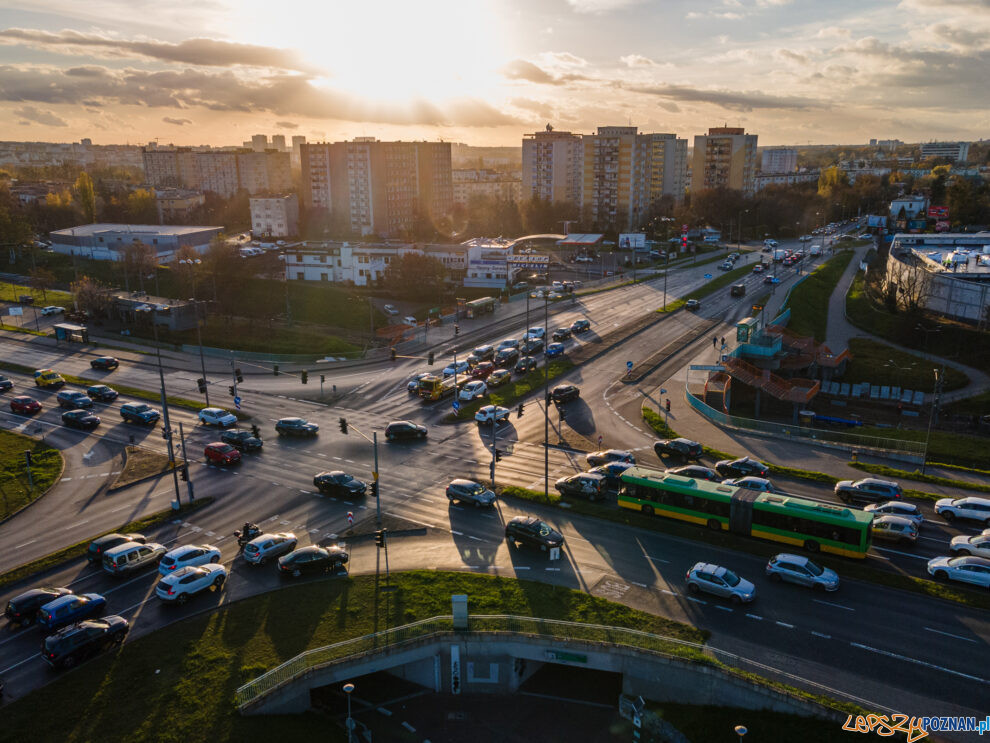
x,y
612,472
69,609
554,350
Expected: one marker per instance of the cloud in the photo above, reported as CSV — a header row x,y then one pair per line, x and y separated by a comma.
x,y
42,117
600,6
637,60
200,52
833,32
791,56
177,122
959,36
286,125
521,69
562,59
731,100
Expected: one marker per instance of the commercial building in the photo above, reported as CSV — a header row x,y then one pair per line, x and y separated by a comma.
x,y
491,184
135,308
275,216
486,262
908,207
222,172
362,264
763,180
958,151
779,160
552,166
107,242
175,205
724,158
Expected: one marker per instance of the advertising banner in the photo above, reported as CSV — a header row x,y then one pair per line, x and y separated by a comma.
x,y
528,261
938,212
876,221
632,241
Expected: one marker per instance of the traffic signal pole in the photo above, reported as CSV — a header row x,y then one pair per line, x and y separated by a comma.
x,y
185,463
378,499
493,450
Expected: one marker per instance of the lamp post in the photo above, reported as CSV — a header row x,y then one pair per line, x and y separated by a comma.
x,y
927,331
739,230
939,376
192,263
348,690
666,270
902,369
546,402
740,730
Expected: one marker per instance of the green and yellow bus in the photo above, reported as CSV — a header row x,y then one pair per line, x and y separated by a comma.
x,y
810,524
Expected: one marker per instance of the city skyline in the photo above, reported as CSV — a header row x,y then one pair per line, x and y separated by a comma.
x,y
486,73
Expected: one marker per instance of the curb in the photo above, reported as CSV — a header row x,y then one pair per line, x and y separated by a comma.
x,y
114,488
55,482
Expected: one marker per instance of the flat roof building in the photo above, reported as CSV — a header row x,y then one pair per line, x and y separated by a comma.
x,y
107,242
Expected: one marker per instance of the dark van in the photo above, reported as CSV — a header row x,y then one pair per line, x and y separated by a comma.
x,y
738,290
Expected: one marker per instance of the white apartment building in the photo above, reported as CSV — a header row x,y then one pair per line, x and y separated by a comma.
x,y
275,216
763,180
361,264
490,184
779,160
958,151
552,166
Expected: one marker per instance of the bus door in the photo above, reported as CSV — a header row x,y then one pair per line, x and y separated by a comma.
x,y
741,511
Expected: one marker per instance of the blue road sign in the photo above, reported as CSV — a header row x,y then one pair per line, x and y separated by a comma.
x,y
708,275
456,405
629,365
237,402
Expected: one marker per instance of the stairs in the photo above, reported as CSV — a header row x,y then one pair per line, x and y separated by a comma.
x,y
790,390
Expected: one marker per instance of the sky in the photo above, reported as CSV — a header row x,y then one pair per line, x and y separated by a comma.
x,y
486,72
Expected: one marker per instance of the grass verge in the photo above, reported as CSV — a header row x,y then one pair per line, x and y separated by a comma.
x,y
141,463
79,548
809,307
953,449
509,394
884,470
11,292
880,364
46,467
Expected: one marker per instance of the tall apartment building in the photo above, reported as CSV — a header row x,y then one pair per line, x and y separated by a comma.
x,y
378,187
626,172
487,183
779,160
259,142
161,168
275,216
264,171
221,172
552,165
958,151
724,158
297,141
278,142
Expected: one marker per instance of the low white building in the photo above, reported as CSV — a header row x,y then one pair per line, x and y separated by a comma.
x,y
913,207
763,180
106,242
275,216
362,264
486,262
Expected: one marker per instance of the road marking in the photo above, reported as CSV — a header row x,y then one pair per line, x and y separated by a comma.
x,y
641,585
723,608
75,525
669,593
829,603
552,570
66,479
823,636
522,567
903,554
18,665
918,662
476,539
386,712
657,559
784,624
25,544
697,601
936,631
408,727
458,533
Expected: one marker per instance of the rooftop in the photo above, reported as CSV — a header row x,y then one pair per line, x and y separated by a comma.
x,y
133,229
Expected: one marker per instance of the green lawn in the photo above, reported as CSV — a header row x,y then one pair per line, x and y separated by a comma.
x,y
975,405
809,304
10,292
46,467
518,387
880,364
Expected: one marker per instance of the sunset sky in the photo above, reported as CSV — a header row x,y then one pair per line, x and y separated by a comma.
x,y
484,72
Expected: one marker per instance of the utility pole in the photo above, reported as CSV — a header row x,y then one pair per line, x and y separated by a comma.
x,y
378,489
233,375
939,375
546,405
202,361
666,270
167,432
185,461
493,449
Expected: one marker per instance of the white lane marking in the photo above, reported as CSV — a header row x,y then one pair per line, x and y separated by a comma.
x,y
669,593
697,601
552,570
25,544
902,554
476,539
522,567
18,665
78,524
755,616
657,559
918,662
823,636
458,533
947,634
408,727
635,583
783,624
837,606
723,608
386,712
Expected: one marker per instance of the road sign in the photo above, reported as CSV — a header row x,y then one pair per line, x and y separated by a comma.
x,y
629,365
663,391
237,402
350,518
708,275
456,405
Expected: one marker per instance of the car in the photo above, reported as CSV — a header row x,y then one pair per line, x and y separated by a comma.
x,y
139,412
461,367
404,430
532,345
584,484
507,343
488,413
506,357
692,304
339,483
890,528
525,365
105,363
801,570
580,326
537,332
263,548
738,290
108,541
725,266
520,286
296,427
868,490
771,279
679,447
68,646
312,559
216,417
101,392
978,545
5,384
805,238
131,557
73,399
741,467
564,393
531,532
241,440
81,419
561,334
22,609
554,350
498,378
187,581
472,390
609,455
217,452
696,472
483,370
719,581
70,608
759,268
484,353
390,310
897,508
188,555
759,484
24,405
612,472
965,569
469,491
977,509
52,310
413,383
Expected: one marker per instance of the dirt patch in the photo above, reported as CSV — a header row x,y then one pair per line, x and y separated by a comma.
x,y
140,464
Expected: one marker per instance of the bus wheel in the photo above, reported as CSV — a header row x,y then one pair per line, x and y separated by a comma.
x,y
811,545
648,510
714,525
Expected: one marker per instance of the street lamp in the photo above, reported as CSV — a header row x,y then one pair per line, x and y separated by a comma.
x,y
192,263
199,340
739,230
348,690
903,369
740,730
939,378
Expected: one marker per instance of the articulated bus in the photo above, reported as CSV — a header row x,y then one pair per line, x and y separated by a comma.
x,y
810,524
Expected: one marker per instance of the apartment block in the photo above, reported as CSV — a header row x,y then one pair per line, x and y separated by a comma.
x,y
222,172
261,172
176,205
724,158
552,166
779,160
491,184
958,151
275,216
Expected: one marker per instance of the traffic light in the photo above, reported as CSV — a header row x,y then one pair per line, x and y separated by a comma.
x,y
391,353
380,537
429,359
184,474
275,369
343,425
305,376
457,329
27,457
238,376
201,384
323,378
230,389
668,404
498,455
519,411
374,489
255,431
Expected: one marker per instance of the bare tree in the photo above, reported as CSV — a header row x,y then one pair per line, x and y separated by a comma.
x,y
42,280
92,296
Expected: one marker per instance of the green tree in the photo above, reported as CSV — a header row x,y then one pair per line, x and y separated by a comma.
x,y
41,280
86,195
141,207
415,276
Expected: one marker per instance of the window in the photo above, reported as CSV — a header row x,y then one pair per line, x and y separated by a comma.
x,y
324,277
300,275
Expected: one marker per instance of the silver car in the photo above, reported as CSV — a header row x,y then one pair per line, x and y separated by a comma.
x,y
978,545
268,546
890,528
759,484
801,570
469,491
897,508
972,570
721,582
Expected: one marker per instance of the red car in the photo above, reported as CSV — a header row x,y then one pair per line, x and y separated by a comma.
x,y
221,453
483,370
24,405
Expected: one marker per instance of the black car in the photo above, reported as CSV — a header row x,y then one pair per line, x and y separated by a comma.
x,y
81,419
580,326
525,364
241,440
506,357
139,412
531,532
741,467
696,472
339,483
5,384
296,427
684,448
312,560
561,334
533,345
102,393
564,393
404,430
23,608
584,484
106,363
79,641
107,542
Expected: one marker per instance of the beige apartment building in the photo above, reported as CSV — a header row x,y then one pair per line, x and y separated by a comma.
x,y
724,158
275,216
222,172
176,205
552,165
471,182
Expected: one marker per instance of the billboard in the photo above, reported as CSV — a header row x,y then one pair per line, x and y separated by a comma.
x,y
528,261
632,241
942,226
938,212
875,221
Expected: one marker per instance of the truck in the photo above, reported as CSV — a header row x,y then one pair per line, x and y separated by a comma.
x,y
432,388
779,254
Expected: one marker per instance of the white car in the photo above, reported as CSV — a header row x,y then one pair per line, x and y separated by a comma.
x,y
537,332
410,320
461,367
488,412
216,417
189,581
760,484
473,390
978,545
186,555
52,310
966,569
805,238
897,508
268,546
971,507
390,310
